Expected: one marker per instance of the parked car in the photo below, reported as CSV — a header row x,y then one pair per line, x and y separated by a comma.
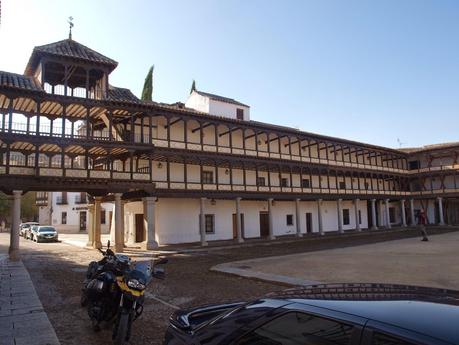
x,y
339,314
24,226
43,233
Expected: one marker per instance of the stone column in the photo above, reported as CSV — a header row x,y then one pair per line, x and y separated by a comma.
x,y
149,210
240,239
90,226
340,216
402,206
374,225
202,223
271,219
96,222
123,222
319,215
386,203
119,224
413,221
356,208
15,221
298,218
440,211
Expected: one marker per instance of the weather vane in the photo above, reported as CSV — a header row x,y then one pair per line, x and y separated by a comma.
x,y
70,21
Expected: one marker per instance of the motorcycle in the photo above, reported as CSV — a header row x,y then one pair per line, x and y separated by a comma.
x,y
114,288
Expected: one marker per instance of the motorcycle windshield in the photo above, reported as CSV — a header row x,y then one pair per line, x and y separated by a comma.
x,y
145,268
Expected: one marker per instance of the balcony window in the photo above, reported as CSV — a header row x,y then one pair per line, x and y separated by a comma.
x,y
207,177
261,181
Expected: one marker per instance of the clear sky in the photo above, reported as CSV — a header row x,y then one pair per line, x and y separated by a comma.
x,y
371,71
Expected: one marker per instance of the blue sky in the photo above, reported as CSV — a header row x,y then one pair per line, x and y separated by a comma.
x,y
371,71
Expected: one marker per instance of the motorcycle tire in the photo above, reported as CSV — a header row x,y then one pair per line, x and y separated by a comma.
x,y
121,329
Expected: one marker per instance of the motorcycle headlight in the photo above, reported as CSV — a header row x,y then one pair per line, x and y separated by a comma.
x,y
135,284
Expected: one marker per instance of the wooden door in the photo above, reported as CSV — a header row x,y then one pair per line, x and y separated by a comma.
x,y
139,228
309,223
235,226
82,220
264,224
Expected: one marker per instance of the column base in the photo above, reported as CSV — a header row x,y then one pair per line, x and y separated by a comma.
x,y
358,229
204,244
271,238
90,244
240,240
119,247
150,245
374,228
97,245
299,234
321,233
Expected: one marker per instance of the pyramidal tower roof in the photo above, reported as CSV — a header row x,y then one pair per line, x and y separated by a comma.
x,y
68,49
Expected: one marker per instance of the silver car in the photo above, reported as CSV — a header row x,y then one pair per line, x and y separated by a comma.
x,y
43,233
24,227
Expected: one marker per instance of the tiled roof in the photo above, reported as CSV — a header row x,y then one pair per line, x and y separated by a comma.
x,y
19,81
121,95
220,98
70,49
430,147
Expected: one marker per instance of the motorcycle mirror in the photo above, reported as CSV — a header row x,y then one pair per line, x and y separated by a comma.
x,y
108,244
158,273
161,261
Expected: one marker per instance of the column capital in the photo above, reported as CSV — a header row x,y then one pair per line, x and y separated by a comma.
x,y
439,198
238,198
98,198
319,200
373,200
270,199
118,195
297,199
17,193
339,200
203,199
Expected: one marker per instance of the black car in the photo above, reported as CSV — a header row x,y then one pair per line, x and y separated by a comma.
x,y
333,314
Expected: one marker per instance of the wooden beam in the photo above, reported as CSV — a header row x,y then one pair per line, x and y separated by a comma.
x,y
201,127
227,132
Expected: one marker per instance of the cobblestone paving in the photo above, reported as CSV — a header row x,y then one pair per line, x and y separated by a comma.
x,y
57,271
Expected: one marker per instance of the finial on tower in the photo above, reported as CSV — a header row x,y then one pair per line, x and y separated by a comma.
x,y
70,21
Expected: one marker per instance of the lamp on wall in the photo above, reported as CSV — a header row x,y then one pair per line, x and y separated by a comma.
x,y
226,171
160,165
259,142
213,202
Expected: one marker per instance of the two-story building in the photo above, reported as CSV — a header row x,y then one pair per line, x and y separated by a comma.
x,y
202,170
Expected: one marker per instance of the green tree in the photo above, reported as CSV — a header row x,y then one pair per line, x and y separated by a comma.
x,y
147,92
29,209
193,86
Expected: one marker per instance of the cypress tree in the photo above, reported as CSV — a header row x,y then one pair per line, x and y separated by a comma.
x,y
193,86
147,92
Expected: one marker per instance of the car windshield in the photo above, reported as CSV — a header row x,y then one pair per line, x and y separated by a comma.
x,y
47,229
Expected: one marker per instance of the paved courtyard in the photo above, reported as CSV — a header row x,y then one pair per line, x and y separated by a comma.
x,y
407,261
57,271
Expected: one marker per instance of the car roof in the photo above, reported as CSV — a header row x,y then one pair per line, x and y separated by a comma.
x,y
423,310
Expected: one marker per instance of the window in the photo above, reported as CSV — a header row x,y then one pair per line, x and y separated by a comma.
x,y
413,165
342,185
299,328
392,214
261,181
284,182
383,339
305,183
207,177
240,114
346,218
209,223
102,216
64,218
289,219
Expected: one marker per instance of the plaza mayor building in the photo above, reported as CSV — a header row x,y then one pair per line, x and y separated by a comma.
x,y
202,170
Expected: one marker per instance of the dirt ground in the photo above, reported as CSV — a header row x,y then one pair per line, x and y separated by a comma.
x,y
57,270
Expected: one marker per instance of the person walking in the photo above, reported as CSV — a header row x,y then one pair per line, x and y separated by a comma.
x,y
423,222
